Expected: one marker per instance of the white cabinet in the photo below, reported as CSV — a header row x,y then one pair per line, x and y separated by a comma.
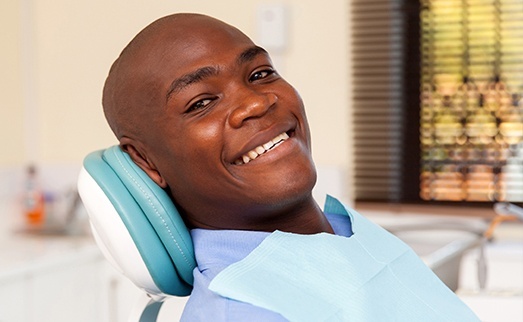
x,y
66,279
121,296
13,300
50,279
64,288
67,293
118,295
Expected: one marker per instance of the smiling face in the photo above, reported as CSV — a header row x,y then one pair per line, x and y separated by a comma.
x,y
222,130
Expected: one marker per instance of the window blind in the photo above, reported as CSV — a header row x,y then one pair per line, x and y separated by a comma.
x,y
378,98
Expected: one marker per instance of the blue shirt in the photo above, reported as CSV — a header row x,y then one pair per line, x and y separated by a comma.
x,y
214,251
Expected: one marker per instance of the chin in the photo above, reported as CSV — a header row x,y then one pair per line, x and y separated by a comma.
x,y
290,187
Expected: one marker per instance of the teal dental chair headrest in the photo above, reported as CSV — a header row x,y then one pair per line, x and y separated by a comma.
x,y
136,224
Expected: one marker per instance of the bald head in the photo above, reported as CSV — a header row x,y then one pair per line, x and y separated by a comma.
x,y
135,88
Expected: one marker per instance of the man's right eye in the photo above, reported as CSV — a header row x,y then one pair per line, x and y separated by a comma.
x,y
199,104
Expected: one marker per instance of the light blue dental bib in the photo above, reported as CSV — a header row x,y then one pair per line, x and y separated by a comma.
x,y
371,276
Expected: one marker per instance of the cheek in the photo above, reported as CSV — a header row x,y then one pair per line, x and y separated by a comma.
x,y
192,140
205,136
194,155
202,145
298,108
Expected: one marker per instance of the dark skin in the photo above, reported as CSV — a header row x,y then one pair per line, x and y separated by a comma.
x,y
190,99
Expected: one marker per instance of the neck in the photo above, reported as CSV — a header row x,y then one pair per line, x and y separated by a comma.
x,y
304,218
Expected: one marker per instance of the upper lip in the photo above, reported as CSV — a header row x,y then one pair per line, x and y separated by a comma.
x,y
262,137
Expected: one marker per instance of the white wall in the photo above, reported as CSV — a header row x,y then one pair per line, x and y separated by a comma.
x,y
57,53
11,101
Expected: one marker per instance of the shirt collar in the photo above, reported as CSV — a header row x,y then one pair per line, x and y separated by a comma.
x,y
219,248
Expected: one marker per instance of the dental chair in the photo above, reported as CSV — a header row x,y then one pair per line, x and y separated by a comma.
x,y
138,229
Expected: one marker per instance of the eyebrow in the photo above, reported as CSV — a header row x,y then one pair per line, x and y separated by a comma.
x,y
249,54
180,83
190,78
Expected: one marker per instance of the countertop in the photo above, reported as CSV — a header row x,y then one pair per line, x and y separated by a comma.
x,y
25,253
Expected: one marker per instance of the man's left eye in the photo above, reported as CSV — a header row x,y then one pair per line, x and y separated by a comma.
x,y
261,74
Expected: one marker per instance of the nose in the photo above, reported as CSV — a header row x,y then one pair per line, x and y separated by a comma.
x,y
250,104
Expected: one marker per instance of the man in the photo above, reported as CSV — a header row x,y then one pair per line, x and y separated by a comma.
x,y
200,108
197,106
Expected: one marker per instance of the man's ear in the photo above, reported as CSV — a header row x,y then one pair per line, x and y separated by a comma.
x,y
141,159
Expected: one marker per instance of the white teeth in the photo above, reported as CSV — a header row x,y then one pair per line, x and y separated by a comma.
x,y
261,149
267,145
284,136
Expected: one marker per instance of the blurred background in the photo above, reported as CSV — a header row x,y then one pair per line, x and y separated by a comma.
x,y
415,109
56,56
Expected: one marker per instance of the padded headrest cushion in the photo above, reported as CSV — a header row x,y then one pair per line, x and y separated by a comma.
x,y
149,216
